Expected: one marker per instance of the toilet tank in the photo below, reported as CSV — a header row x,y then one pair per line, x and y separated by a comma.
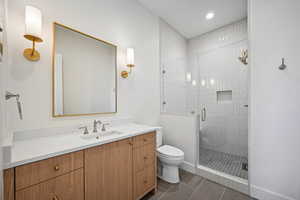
x,y
159,137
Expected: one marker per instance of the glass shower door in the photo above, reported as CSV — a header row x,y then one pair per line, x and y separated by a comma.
x,y
223,107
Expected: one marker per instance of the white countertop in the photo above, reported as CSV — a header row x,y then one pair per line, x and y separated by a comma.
x,y
34,148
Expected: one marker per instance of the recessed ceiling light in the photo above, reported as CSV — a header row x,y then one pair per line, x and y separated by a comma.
x,y
210,15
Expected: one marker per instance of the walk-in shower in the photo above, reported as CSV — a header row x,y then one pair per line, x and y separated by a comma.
x,y
222,95
208,80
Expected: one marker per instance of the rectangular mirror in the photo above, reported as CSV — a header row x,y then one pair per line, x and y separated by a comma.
x,y
84,74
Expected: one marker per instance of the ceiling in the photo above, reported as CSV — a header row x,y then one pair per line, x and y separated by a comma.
x,y
188,16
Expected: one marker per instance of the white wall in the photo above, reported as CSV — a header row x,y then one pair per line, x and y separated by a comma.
x,y
214,61
122,22
274,139
180,131
173,60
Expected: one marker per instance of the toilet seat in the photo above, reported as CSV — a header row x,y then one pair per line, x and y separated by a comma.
x,y
170,151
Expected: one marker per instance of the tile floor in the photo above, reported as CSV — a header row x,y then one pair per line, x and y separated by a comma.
x,y
223,162
194,187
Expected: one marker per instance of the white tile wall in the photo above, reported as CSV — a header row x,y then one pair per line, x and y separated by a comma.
x,y
214,60
173,60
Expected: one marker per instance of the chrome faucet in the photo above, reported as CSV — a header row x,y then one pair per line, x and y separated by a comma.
x,y
104,126
96,122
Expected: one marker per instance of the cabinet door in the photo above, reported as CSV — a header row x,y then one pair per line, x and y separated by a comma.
x,y
66,187
43,190
125,170
94,173
117,175
69,186
108,171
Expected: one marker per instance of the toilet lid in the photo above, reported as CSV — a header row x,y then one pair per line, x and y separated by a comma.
x,y
170,151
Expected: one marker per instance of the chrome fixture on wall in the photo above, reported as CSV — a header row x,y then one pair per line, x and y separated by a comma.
x,y
283,65
10,95
244,56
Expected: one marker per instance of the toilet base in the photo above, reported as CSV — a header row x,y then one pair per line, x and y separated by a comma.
x,y
170,173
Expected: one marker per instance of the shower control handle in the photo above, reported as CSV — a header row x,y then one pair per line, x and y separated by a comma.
x,y
203,114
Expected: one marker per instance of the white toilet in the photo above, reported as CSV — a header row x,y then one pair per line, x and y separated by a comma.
x,y
170,158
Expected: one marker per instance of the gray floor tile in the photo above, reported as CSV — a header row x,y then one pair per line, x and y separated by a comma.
x,y
151,196
208,191
179,191
233,195
163,186
190,179
193,187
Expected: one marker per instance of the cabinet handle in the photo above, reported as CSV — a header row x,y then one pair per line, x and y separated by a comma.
x,y
130,143
55,197
145,158
145,140
56,168
145,181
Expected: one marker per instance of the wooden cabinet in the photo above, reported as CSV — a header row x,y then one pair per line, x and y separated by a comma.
x,y
108,171
122,170
9,184
33,173
65,187
144,168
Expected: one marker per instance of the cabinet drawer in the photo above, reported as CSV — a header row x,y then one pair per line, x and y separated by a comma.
x,y
143,156
144,139
65,187
33,173
144,181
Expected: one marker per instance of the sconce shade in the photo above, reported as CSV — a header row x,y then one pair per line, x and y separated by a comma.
x,y
33,24
130,62
130,57
188,77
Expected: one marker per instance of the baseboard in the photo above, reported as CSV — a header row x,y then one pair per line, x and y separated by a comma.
x,y
188,167
264,194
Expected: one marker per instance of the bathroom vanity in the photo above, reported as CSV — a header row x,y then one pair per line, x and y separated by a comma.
x,y
115,167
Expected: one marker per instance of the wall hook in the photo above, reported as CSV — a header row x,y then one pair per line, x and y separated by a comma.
x,y
282,66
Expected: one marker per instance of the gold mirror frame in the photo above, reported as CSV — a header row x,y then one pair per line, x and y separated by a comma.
x,y
53,73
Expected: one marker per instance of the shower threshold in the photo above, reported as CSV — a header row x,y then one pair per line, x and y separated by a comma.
x,y
233,182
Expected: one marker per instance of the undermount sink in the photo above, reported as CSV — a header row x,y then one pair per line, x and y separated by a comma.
x,y
101,135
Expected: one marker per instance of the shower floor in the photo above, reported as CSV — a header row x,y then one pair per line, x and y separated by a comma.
x,y
223,162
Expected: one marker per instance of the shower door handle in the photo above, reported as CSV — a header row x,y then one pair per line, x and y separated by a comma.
x,y
203,114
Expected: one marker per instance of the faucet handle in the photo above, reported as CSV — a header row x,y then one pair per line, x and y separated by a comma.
x,y
104,126
85,130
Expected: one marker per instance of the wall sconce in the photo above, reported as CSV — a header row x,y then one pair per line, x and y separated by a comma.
x,y
33,31
130,62
189,77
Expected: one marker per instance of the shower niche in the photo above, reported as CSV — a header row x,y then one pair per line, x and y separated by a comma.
x,y
224,96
